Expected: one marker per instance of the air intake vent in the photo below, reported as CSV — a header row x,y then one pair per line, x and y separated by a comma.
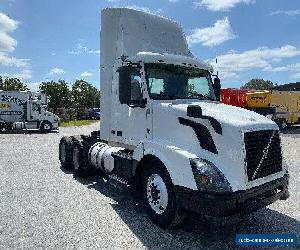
x,y
263,153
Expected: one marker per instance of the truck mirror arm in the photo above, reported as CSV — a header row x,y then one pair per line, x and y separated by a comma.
x,y
141,104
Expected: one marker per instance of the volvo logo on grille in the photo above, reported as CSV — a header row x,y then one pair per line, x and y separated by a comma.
x,y
264,156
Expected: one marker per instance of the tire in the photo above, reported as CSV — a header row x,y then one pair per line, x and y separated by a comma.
x,y
46,127
158,197
66,148
2,127
282,124
82,167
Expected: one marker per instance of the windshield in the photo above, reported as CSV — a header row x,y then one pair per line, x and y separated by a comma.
x,y
176,82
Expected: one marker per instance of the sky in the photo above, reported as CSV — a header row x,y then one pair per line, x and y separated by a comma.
x,y
59,39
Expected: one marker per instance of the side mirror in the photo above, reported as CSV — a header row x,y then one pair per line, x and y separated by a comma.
x,y
136,98
124,87
217,87
143,103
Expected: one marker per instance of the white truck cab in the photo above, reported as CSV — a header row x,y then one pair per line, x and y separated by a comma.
x,y
26,110
164,131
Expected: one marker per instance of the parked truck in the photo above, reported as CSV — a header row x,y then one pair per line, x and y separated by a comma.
x,y
164,132
283,107
287,106
234,97
26,110
256,100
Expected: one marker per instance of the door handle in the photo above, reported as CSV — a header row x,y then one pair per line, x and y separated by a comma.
x,y
147,112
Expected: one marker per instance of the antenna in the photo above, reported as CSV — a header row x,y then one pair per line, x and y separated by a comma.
x,y
216,64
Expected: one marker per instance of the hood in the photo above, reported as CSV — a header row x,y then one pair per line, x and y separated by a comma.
x,y
217,135
169,116
229,115
52,115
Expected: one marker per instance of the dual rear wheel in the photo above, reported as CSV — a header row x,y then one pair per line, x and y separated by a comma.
x,y
156,187
73,156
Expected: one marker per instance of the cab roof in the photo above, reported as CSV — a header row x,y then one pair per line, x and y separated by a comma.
x,y
150,57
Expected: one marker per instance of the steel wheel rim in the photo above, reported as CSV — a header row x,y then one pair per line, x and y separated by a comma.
x,y
63,152
76,158
157,193
46,126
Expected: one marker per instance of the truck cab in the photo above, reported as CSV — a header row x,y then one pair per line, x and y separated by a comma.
x,y
26,110
164,131
39,112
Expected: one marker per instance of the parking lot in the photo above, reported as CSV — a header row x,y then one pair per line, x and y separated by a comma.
x,y
42,206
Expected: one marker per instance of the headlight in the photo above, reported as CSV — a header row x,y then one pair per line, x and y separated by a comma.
x,y
208,177
56,119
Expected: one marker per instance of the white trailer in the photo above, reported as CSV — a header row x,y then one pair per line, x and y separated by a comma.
x,y
164,132
26,110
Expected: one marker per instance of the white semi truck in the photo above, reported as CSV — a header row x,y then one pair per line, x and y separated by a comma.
x,y
26,110
164,132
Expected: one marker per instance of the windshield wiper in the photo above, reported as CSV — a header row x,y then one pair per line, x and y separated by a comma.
x,y
209,98
173,97
201,96
198,96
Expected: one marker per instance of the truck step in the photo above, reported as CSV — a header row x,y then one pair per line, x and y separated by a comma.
x,y
124,154
118,181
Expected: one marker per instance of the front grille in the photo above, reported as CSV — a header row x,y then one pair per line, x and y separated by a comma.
x,y
256,143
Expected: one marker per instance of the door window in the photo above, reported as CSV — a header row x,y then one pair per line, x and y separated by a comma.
x,y
130,85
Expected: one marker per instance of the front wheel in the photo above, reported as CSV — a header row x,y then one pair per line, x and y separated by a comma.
x,y
158,196
46,127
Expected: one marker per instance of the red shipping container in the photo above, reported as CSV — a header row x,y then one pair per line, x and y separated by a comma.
x,y
234,97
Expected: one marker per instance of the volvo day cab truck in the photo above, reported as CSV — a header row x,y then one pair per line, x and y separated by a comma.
x,y
164,132
26,110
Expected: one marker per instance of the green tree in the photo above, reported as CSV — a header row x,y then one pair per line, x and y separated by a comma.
x,y
58,93
84,96
259,84
12,84
1,83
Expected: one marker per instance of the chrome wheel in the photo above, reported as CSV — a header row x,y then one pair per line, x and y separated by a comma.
x,y
157,193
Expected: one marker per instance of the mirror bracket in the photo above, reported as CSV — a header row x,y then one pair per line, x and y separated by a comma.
x,y
141,104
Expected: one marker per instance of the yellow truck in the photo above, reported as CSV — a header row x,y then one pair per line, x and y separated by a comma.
x,y
259,101
287,105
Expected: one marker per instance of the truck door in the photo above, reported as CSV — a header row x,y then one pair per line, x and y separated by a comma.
x,y
34,110
131,115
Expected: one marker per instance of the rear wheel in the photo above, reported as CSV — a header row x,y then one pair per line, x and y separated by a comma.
x,y
282,124
66,152
158,195
2,127
82,166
